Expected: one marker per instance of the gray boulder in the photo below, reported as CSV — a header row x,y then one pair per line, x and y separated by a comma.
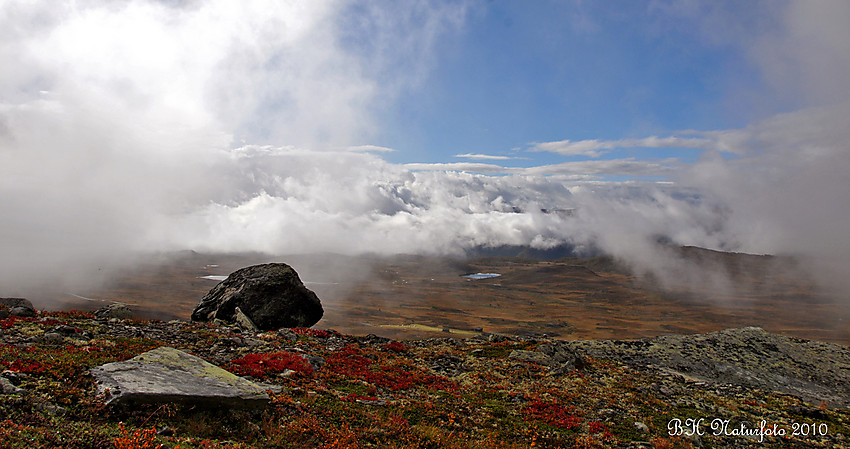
x,y
114,310
530,357
750,357
271,296
18,307
170,375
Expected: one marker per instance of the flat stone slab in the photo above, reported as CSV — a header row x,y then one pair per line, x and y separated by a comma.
x,y
810,370
169,375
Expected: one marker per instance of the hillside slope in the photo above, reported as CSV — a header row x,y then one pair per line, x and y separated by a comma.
x,y
489,390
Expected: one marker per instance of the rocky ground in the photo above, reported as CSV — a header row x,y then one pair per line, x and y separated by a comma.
x,y
735,388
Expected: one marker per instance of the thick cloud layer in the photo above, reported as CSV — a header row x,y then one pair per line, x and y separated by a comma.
x,y
130,127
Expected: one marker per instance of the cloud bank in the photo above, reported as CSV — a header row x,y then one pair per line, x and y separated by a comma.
x,y
157,126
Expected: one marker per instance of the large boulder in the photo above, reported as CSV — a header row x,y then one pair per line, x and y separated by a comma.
x,y
17,307
271,296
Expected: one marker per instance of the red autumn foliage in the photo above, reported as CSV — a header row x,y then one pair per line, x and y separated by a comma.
x,y
553,414
264,365
396,346
13,321
597,427
354,397
310,332
351,363
50,322
69,314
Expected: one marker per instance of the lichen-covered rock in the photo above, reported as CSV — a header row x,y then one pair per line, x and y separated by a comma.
x,y
114,310
530,357
170,375
270,295
813,371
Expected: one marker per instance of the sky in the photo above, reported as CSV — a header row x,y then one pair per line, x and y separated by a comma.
x,y
425,127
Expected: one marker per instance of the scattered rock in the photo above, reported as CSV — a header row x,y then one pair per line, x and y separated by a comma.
x,y
315,361
169,375
287,334
244,322
18,307
12,376
270,295
52,409
807,412
67,331
52,338
7,387
496,338
530,356
563,357
116,310
448,365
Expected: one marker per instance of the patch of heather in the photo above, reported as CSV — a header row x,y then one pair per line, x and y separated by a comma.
x,y
266,365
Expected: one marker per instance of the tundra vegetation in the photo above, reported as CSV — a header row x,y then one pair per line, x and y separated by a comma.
x,y
341,391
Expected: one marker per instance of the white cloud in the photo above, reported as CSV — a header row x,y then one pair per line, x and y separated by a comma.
x,y
596,148
483,156
116,118
579,170
370,148
117,122
477,167
807,58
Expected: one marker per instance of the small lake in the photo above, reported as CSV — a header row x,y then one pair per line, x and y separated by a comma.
x,y
213,277
481,275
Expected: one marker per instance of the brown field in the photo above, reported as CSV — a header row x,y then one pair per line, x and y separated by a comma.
x,y
416,296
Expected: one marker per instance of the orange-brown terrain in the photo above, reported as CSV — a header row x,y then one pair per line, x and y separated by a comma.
x,y
571,298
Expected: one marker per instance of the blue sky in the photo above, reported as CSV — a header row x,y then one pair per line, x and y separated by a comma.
x,y
516,73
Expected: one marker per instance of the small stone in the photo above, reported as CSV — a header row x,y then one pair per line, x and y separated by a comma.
x,y
52,409
316,362
22,312
52,338
287,334
808,412
530,357
13,377
7,387
694,439
67,330
496,338
244,322
565,368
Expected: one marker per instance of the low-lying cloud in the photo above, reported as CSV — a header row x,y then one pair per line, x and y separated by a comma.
x,y
209,127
